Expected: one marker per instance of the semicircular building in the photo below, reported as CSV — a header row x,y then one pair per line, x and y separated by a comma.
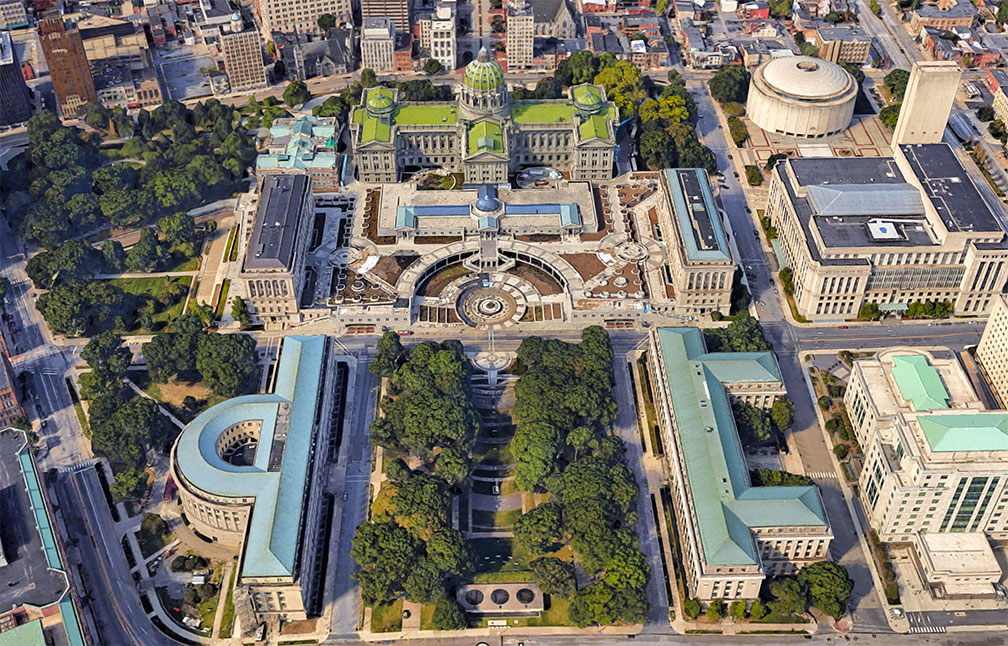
x,y
801,96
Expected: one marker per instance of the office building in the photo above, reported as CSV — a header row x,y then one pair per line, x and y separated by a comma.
x,y
1000,103
519,37
731,534
935,460
121,85
700,261
398,11
927,102
943,15
243,61
15,101
275,232
108,38
484,135
438,35
304,145
888,231
68,65
843,44
299,15
956,565
13,14
992,351
378,45
250,475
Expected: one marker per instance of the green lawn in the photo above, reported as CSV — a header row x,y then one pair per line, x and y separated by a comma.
x,y
497,519
155,289
82,418
492,454
222,299
227,615
555,614
426,614
231,250
387,618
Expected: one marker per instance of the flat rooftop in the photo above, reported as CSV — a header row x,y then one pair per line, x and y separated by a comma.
x,y
950,188
281,464
697,214
274,231
960,552
848,170
726,505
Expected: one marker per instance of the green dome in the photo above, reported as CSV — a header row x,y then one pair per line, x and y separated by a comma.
x,y
484,73
587,98
380,102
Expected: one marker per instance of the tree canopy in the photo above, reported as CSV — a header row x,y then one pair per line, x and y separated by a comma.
x,y
730,83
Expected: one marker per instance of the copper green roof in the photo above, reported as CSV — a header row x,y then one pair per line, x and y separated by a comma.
x,y
485,136
968,432
725,504
588,98
483,73
380,100
29,634
919,382
541,112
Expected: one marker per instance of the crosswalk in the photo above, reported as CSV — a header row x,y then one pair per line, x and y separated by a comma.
x,y
921,623
821,474
80,466
927,629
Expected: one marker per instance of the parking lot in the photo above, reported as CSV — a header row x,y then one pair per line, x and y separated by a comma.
x,y
183,78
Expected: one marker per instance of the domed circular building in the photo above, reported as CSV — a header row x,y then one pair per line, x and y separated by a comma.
x,y
801,96
484,92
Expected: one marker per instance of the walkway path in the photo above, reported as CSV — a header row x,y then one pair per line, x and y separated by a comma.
x,y
219,615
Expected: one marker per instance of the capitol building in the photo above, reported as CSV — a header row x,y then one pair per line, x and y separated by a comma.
x,y
484,134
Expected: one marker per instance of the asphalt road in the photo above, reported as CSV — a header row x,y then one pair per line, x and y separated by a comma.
x,y
110,595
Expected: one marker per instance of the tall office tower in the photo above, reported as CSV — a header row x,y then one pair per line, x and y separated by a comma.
x,y
992,352
519,35
286,15
927,102
397,10
441,35
68,65
378,45
15,102
243,60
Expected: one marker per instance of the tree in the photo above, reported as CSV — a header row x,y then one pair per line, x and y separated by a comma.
x,y
754,177
896,82
743,334
297,93
540,529
737,610
227,362
114,255
657,149
452,465
385,553
829,587
326,22
448,614
126,484
178,228
388,352
109,361
71,261
774,478
692,608
753,423
1001,17
147,254
624,86
240,313
870,312
730,83
603,604
782,413
841,451
368,78
554,575
421,504
757,610
122,430
535,446
786,277
715,610
889,115
875,8
448,551
738,131
985,113
790,597
432,66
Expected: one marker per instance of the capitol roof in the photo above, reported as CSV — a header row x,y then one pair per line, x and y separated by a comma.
x,y
806,77
484,73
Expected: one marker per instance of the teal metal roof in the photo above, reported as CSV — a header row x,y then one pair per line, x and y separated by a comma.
x,y
488,223
29,634
304,136
968,432
726,505
569,215
405,217
272,539
919,382
697,214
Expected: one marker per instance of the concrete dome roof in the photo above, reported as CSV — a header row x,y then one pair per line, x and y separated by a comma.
x,y
484,73
806,77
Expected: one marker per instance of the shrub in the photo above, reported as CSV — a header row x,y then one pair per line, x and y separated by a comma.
x,y
892,596
737,130
737,610
753,175
736,109
825,402
758,610
716,315
841,451
786,277
692,608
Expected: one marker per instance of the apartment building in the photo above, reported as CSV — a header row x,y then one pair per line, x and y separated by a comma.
x,y
943,15
519,37
935,460
843,44
992,351
68,65
15,102
378,45
700,261
1000,103
13,14
888,231
275,232
732,535
438,35
398,11
299,15
243,60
